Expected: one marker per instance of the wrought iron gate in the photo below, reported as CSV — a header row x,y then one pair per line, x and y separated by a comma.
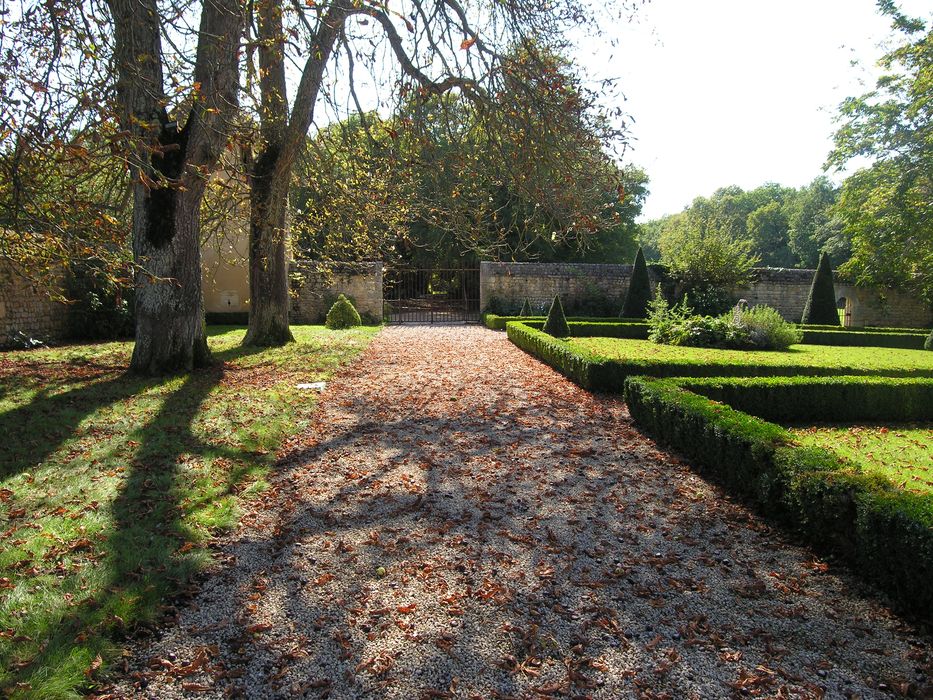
x,y
430,296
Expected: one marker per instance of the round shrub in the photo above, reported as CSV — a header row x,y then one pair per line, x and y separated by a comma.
x,y
342,315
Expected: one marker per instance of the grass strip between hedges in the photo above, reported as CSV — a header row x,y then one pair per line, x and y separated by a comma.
x,y
884,532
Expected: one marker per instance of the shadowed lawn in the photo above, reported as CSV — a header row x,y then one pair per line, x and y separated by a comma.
x,y
111,485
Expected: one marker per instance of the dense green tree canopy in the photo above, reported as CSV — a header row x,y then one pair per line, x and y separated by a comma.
x,y
887,207
441,182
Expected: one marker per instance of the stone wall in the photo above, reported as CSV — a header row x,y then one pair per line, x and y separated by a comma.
x,y
785,290
511,283
314,292
27,309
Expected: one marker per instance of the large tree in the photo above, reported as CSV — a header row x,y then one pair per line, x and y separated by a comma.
x,y
171,155
887,207
153,85
438,47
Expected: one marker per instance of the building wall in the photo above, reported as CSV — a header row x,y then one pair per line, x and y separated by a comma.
x,y
27,309
314,292
225,270
785,290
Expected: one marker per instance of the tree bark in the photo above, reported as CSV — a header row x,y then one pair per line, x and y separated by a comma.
x,y
169,165
170,333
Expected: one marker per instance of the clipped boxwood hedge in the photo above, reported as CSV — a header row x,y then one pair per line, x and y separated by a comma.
x,y
906,341
806,400
598,373
498,323
862,329
886,533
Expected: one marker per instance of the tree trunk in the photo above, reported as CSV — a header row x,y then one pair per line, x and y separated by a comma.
x,y
170,333
283,136
268,260
169,164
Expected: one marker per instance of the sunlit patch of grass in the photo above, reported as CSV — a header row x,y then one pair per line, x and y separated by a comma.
x,y
903,453
111,485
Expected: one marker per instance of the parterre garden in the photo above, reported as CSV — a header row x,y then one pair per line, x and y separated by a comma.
x,y
831,437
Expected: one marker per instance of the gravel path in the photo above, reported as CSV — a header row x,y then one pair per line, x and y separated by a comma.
x,y
462,522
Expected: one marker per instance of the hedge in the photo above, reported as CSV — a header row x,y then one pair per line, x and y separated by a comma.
x,y
598,373
806,400
498,323
638,330
862,329
905,341
887,534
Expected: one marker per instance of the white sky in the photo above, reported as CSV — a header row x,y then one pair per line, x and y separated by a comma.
x,y
739,91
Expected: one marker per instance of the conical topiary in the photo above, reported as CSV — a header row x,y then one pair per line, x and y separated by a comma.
x,y
556,323
821,304
639,290
526,309
928,343
342,315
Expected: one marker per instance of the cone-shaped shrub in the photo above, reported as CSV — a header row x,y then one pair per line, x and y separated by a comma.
x,y
526,309
928,343
639,290
556,323
342,315
821,304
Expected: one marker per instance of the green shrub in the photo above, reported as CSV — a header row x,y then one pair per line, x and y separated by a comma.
x,y
342,315
556,323
884,532
103,308
821,302
758,328
638,295
767,330
526,309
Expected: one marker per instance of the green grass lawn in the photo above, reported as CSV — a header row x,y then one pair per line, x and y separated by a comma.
x,y
904,454
111,485
847,360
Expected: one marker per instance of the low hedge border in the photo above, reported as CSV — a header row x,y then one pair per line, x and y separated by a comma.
x,y
885,533
498,323
806,400
863,329
905,341
638,330
603,374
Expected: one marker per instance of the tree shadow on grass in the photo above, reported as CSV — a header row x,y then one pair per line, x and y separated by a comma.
x,y
150,551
